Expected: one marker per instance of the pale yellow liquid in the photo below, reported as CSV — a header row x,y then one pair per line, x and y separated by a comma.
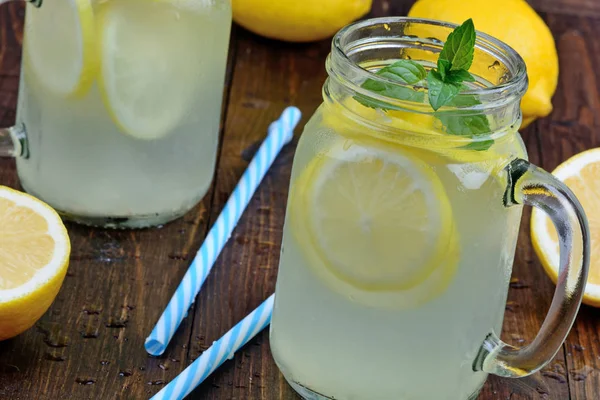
x,y
333,345
86,166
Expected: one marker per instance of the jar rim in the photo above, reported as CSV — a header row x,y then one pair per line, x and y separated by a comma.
x,y
491,96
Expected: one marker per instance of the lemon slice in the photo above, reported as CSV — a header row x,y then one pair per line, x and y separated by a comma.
x,y
148,75
378,222
34,257
581,173
60,47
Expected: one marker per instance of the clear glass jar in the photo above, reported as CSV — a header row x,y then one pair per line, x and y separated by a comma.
x,y
402,224
119,106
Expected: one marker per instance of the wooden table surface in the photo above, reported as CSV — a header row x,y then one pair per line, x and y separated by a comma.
x,y
89,345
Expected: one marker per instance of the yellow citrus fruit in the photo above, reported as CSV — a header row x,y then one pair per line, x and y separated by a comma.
x,y
515,23
378,225
298,21
34,257
581,173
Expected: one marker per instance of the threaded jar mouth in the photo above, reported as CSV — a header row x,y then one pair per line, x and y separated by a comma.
x,y
364,47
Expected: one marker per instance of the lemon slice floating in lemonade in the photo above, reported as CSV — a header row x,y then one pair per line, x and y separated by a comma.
x,y
378,225
145,89
61,45
34,257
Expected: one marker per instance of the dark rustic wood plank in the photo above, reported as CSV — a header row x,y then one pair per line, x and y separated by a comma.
x,y
589,8
11,29
573,127
90,343
383,8
268,76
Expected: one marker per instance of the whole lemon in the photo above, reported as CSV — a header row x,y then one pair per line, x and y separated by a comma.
x,y
298,21
515,23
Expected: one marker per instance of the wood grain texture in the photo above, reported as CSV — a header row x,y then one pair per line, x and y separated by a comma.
x,y
90,343
583,8
573,127
11,29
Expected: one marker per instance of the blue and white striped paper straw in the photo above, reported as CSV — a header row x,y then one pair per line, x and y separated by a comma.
x,y
280,133
216,354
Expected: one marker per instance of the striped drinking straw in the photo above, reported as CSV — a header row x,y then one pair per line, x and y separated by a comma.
x,y
280,133
216,354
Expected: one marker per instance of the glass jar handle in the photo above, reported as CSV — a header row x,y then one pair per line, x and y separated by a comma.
x,y
530,185
13,142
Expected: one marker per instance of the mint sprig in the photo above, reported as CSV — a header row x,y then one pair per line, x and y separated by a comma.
x,y
460,46
444,84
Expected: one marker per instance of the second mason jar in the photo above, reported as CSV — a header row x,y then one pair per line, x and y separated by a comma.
x,y
119,106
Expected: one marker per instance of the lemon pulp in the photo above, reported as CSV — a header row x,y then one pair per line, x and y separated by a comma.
x,y
34,254
580,173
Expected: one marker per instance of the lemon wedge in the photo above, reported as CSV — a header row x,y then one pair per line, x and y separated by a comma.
x,y
34,257
378,225
148,75
60,45
581,173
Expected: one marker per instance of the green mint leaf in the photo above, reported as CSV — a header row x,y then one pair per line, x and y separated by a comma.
x,y
465,100
388,90
460,46
482,145
468,125
444,67
400,93
402,71
459,76
440,92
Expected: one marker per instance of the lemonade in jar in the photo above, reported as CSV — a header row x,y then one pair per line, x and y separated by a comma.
x,y
403,215
119,106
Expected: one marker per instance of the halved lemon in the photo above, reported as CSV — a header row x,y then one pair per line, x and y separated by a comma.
x,y
378,224
148,75
581,173
60,45
34,257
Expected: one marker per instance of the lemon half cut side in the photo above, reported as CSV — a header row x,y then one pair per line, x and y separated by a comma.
x,y
34,257
581,173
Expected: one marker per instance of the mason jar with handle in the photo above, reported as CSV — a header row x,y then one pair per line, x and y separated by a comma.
x,y
119,107
402,224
